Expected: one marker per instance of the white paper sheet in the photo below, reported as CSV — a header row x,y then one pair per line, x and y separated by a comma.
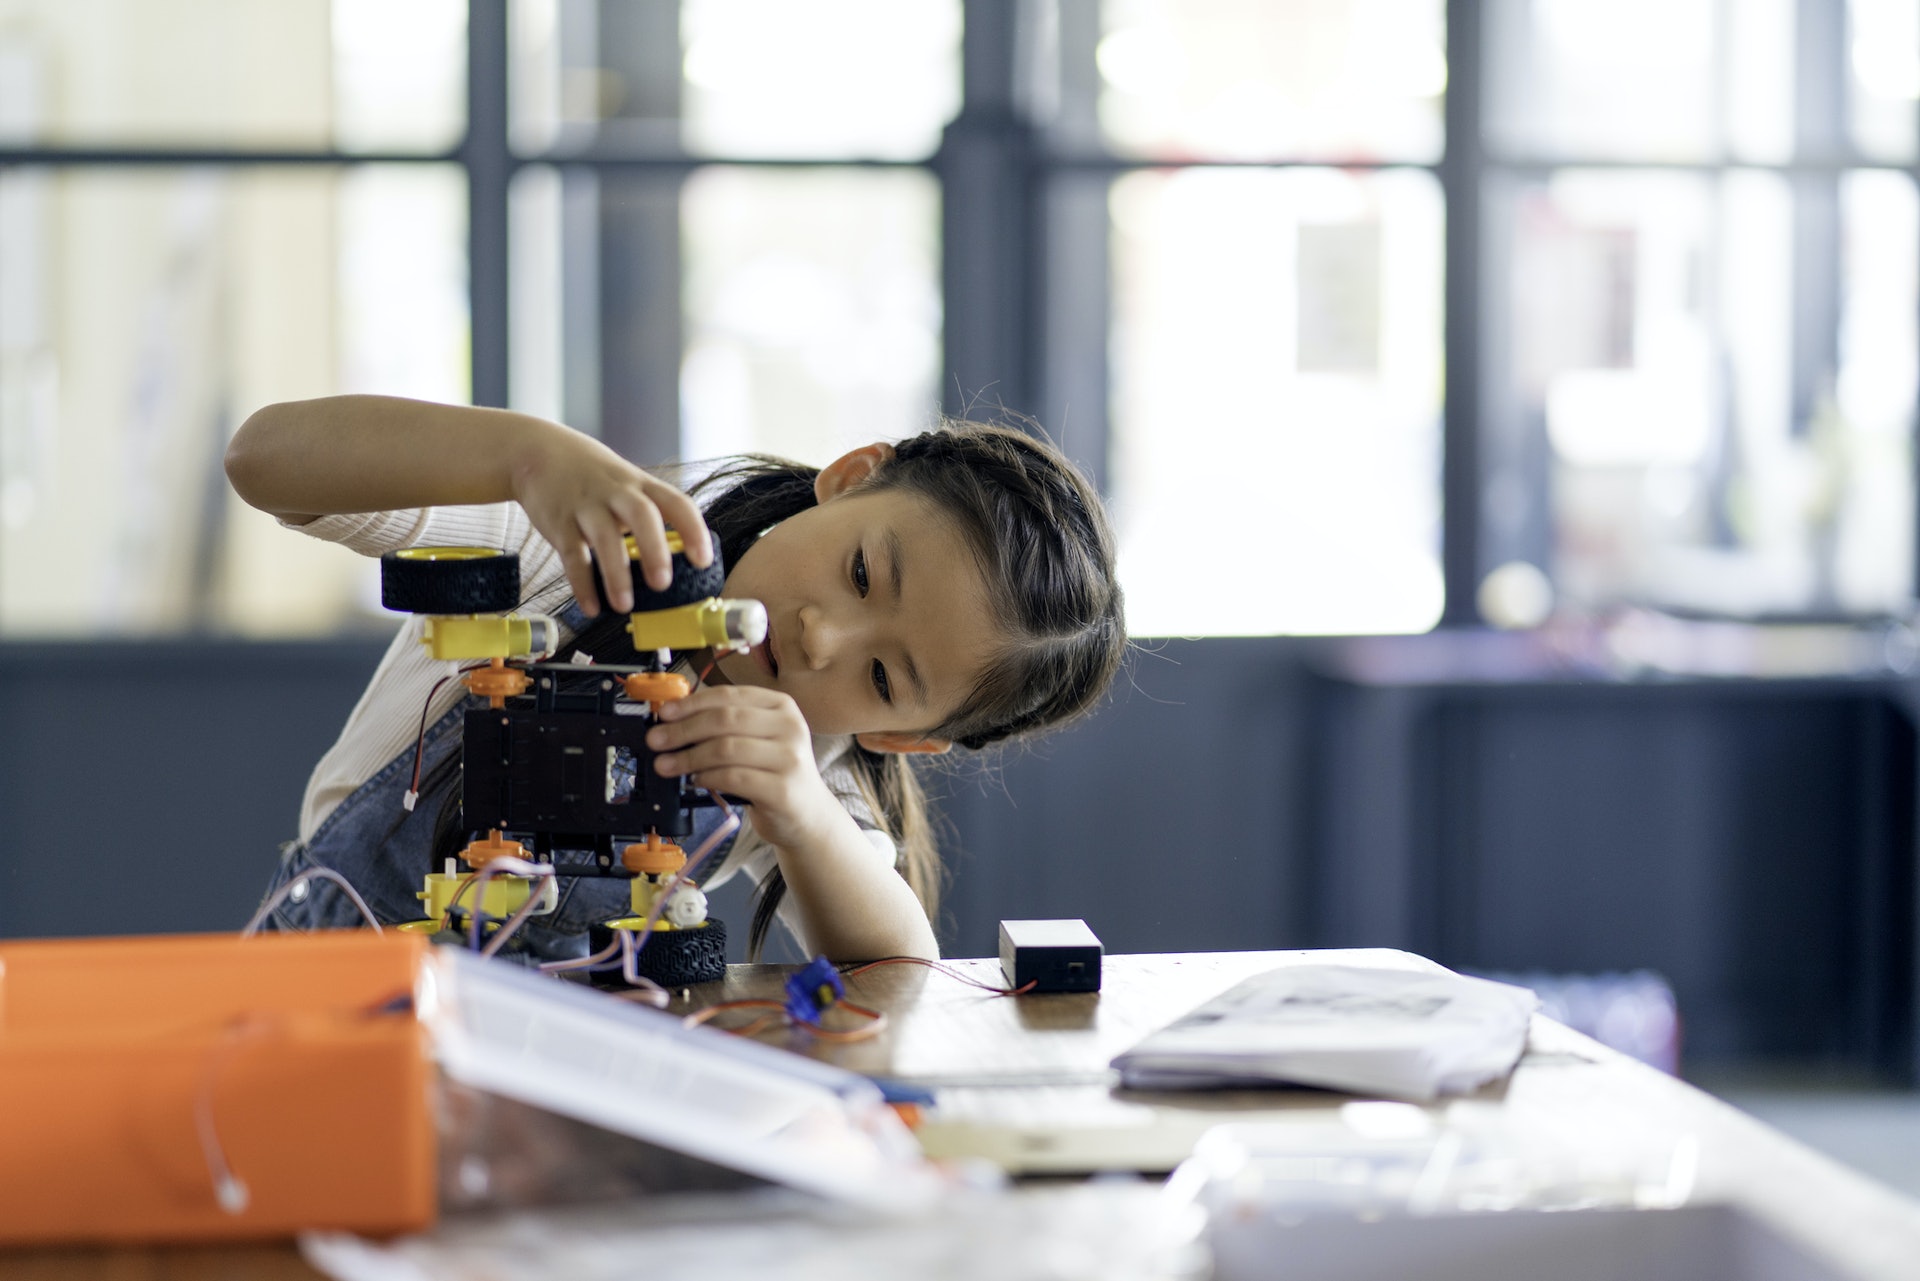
x,y
1341,1027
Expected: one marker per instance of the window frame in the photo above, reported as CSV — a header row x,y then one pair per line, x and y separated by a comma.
x,y
1024,272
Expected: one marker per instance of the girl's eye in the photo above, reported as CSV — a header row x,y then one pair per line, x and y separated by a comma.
x,y
880,682
860,570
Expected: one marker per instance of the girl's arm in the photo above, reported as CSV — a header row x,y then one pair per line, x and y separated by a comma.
x,y
754,743
854,909
308,458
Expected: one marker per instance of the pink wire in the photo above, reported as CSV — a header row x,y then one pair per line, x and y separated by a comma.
x,y
519,867
630,971
601,957
856,971
293,883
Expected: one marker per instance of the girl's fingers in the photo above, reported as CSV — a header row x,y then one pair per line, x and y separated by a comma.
x,y
755,786
683,514
716,697
649,540
757,754
578,565
642,519
714,727
609,544
686,721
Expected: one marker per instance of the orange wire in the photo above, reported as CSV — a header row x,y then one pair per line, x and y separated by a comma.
x,y
466,883
698,1017
876,1020
758,1026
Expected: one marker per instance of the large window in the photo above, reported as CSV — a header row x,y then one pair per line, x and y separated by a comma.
x,y
1354,307
1276,321
1699,300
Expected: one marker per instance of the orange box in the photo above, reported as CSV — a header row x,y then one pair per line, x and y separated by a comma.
x,y
133,1069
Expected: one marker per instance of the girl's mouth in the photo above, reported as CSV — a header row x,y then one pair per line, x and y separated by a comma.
x,y
765,653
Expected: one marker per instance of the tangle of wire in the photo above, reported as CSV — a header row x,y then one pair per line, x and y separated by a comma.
x,y
479,879
626,944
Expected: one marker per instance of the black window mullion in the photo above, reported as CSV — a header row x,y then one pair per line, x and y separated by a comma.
x,y
1462,173
489,168
990,219
639,290
1074,246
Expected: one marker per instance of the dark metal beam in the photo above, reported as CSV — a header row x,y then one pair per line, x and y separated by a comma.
x,y
489,167
639,291
990,225
1462,178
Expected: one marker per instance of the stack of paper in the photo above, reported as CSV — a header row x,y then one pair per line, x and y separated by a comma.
x,y
1342,1027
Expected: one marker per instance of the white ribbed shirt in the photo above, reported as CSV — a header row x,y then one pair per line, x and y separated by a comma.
x,y
386,720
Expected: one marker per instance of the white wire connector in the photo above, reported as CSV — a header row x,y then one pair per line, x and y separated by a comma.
x,y
408,801
232,1194
230,1191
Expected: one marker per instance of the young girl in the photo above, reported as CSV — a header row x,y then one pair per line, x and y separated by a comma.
x,y
956,587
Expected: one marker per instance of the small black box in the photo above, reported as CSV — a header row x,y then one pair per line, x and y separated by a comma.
x,y
1054,956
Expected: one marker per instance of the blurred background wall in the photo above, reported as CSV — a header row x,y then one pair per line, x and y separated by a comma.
x,y
1506,408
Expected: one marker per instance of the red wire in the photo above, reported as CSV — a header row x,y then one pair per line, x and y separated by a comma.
x,y
420,739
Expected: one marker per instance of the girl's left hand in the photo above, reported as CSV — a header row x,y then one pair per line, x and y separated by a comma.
x,y
751,743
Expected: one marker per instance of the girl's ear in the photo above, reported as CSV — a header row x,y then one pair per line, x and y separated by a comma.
x,y
904,744
848,470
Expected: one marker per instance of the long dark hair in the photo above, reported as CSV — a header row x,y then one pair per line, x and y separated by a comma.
x,y
1038,532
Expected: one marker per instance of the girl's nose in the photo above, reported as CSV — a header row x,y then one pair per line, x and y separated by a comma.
x,y
822,636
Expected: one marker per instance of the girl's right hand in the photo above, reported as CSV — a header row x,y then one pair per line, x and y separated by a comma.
x,y
584,499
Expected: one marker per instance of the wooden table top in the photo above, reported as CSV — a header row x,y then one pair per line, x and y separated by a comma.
x,y
1024,1081
945,1032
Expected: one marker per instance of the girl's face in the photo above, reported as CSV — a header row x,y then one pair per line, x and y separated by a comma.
x,y
878,619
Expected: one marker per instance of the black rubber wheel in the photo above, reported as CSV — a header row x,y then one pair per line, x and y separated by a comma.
x,y
689,585
450,580
671,958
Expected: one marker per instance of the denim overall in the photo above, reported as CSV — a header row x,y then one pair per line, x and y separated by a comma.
x,y
385,851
